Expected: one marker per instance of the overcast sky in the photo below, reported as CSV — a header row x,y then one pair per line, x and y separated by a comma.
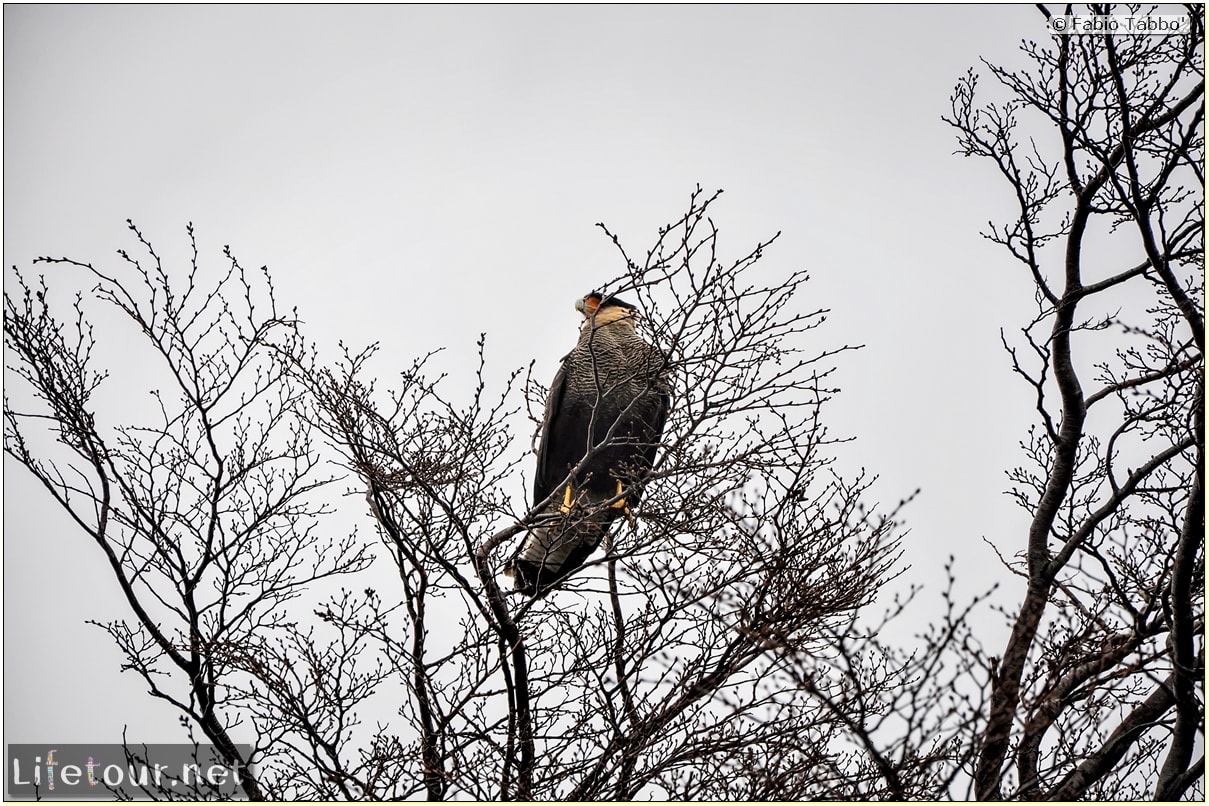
x,y
417,176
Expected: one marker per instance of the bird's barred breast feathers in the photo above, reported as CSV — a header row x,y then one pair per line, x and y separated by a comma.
x,y
613,359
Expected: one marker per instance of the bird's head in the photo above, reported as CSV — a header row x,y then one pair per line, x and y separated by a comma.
x,y
602,310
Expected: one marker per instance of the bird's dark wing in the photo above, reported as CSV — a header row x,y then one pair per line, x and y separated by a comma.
x,y
658,420
652,436
662,403
548,473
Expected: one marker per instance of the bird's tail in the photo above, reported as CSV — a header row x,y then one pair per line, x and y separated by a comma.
x,y
552,551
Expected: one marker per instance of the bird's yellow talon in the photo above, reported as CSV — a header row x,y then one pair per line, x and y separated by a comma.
x,y
566,507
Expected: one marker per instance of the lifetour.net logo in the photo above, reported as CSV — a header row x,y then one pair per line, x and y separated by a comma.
x,y
106,771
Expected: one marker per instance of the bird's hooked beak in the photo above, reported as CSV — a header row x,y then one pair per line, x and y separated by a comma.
x,y
588,305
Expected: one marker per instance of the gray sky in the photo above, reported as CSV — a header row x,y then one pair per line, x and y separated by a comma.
x,y
420,175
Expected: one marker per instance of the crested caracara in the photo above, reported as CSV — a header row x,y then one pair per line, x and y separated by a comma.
x,y
603,424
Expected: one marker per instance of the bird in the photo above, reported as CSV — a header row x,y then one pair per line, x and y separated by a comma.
x,y
602,428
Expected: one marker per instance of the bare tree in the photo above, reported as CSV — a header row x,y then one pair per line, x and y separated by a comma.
x,y
699,654
665,666
1099,691
207,514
